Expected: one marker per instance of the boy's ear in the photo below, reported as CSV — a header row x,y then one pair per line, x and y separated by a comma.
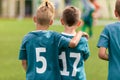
x,y
51,22
116,14
79,23
35,19
62,22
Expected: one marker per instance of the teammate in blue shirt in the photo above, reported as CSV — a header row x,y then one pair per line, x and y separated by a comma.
x,y
72,59
110,39
39,49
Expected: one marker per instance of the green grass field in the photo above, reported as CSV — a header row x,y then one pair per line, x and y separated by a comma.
x,y
11,34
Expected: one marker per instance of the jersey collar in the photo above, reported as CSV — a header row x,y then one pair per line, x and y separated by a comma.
x,y
38,30
68,34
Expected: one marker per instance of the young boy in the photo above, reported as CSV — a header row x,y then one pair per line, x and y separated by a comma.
x,y
72,59
39,49
110,38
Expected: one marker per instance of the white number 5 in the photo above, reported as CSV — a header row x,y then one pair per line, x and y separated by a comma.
x,y
42,59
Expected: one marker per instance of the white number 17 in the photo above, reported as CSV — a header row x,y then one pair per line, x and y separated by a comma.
x,y
63,58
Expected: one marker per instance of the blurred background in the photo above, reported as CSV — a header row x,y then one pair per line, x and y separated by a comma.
x,y
16,21
27,8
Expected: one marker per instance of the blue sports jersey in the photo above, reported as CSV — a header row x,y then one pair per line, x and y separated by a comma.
x,y
110,38
40,49
71,60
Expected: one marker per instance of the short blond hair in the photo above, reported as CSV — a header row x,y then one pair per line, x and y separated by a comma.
x,y
71,15
45,13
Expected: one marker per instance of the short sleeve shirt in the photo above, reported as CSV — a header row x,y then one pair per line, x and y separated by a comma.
x,y
71,60
40,49
110,38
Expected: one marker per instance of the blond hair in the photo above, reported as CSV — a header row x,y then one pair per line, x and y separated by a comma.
x,y
71,15
45,13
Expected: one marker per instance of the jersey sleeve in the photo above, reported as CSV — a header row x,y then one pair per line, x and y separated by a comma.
x,y
62,41
104,38
22,52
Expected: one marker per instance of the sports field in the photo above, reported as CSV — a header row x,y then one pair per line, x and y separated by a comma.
x,y
11,34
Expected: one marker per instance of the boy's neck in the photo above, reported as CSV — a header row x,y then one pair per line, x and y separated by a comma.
x,y
70,30
39,27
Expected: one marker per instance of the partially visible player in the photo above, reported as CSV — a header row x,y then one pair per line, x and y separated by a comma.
x,y
72,59
88,15
39,48
110,39
67,2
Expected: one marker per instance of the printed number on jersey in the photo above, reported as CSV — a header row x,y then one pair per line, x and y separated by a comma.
x,y
42,59
63,58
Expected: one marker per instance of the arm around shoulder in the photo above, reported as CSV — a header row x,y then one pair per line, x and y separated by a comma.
x,y
75,40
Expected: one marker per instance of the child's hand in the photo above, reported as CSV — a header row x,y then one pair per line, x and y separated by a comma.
x,y
85,34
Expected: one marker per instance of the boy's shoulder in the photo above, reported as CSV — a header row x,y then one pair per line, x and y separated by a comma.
x,y
83,39
28,36
113,24
40,33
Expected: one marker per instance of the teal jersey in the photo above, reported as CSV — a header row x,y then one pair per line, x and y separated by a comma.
x,y
110,38
71,60
40,49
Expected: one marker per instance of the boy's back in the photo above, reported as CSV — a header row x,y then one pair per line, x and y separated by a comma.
x,y
38,48
72,60
110,38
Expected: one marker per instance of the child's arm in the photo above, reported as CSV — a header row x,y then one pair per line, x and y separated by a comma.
x,y
75,40
24,64
102,54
